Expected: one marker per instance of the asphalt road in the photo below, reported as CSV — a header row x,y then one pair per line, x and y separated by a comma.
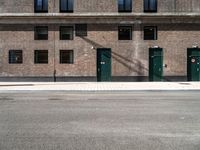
x,y
100,121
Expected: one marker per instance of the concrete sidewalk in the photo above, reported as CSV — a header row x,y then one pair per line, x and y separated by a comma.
x,y
97,86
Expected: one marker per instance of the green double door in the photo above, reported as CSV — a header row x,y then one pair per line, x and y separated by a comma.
x,y
193,64
155,64
104,64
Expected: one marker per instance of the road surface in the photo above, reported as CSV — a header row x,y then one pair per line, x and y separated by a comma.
x,y
142,120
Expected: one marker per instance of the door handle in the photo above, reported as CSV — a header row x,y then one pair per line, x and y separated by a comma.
x,y
98,69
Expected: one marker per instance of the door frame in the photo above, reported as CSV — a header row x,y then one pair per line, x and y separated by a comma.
x,y
189,71
99,79
151,71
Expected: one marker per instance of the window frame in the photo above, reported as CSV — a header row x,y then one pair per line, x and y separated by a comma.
x,y
43,10
67,10
69,27
148,8
65,61
155,28
131,32
39,62
9,56
36,37
124,7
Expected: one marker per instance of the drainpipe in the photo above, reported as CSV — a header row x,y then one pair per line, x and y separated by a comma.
x,y
54,57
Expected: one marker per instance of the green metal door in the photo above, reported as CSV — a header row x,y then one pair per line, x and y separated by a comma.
x,y
193,64
103,64
155,64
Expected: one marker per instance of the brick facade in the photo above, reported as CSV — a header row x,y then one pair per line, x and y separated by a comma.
x,y
129,58
27,6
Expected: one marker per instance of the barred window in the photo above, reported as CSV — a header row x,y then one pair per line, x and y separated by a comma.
x,y
66,56
150,33
66,33
41,33
81,29
125,33
15,57
41,57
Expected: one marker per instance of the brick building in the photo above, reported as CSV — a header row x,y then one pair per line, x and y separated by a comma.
x,y
104,40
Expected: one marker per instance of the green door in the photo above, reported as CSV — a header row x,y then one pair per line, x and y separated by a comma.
x,y
103,64
193,64
155,64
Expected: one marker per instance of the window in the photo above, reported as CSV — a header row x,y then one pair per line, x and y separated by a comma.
x,y
66,5
66,56
81,29
66,33
15,57
150,5
41,56
125,33
41,6
124,5
150,33
41,33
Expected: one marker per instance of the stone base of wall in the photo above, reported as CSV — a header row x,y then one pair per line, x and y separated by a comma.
x,y
175,78
89,79
146,79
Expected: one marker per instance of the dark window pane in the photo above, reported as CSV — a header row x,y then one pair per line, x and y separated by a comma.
x,y
63,5
121,5
41,33
81,29
15,57
66,56
41,56
41,5
128,5
66,33
125,33
66,5
150,5
45,5
124,5
39,2
70,5
150,33
146,5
